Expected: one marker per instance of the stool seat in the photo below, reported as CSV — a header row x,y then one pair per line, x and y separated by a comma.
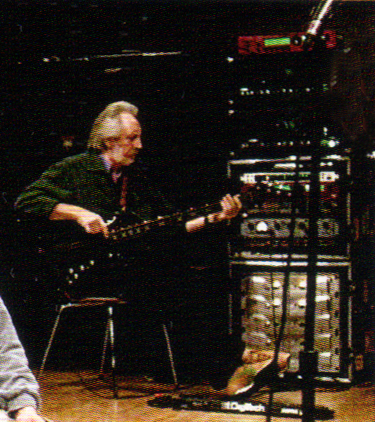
x,y
98,301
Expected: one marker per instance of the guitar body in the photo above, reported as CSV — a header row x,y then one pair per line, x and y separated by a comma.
x,y
87,265
80,265
98,270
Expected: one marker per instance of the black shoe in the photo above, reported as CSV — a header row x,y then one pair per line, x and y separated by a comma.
x,y
268,374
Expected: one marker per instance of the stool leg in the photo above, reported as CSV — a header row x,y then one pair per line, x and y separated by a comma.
x,y
54,329
111,332
105,344
170,354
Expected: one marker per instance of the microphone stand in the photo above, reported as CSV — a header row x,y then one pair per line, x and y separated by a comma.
x,y
309,357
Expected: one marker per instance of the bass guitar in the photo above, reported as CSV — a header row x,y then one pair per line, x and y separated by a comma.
x,y
84,265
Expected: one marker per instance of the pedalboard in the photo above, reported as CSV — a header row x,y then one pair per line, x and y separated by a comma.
x,y
231,405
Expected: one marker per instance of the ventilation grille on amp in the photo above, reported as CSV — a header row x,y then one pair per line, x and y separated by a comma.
x,y
261,303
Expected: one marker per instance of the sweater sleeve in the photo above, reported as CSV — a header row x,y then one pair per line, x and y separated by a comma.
x,y
40,198
18,386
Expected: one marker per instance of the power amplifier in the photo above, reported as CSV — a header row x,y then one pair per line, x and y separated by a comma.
x,y
271,189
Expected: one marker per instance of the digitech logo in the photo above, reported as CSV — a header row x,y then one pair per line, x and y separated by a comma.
x,y
243,407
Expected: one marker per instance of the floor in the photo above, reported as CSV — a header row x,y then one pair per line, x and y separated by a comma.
x,y
83,397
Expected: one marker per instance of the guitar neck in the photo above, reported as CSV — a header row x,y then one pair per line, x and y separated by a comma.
x,y
118,232
169,220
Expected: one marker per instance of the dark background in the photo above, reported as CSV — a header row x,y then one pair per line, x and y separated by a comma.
x,y
62,62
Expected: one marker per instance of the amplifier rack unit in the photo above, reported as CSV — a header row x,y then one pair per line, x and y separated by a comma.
x,y
269,189
284,43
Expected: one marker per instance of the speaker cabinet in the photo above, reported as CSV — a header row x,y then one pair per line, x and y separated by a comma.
x,y
262,285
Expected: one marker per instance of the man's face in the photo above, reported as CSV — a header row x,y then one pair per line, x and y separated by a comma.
x,y
123,152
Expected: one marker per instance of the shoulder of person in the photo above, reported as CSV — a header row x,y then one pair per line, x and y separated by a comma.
x,y
87,159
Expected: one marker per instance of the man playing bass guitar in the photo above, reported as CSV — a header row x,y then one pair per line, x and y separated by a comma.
x,y
92,187
87,190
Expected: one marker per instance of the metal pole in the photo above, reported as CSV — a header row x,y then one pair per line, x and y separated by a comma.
x,y
309,357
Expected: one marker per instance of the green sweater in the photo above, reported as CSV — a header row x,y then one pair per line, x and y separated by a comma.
x,y
82,180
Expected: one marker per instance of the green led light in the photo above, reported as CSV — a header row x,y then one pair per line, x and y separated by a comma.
x,y
275,42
